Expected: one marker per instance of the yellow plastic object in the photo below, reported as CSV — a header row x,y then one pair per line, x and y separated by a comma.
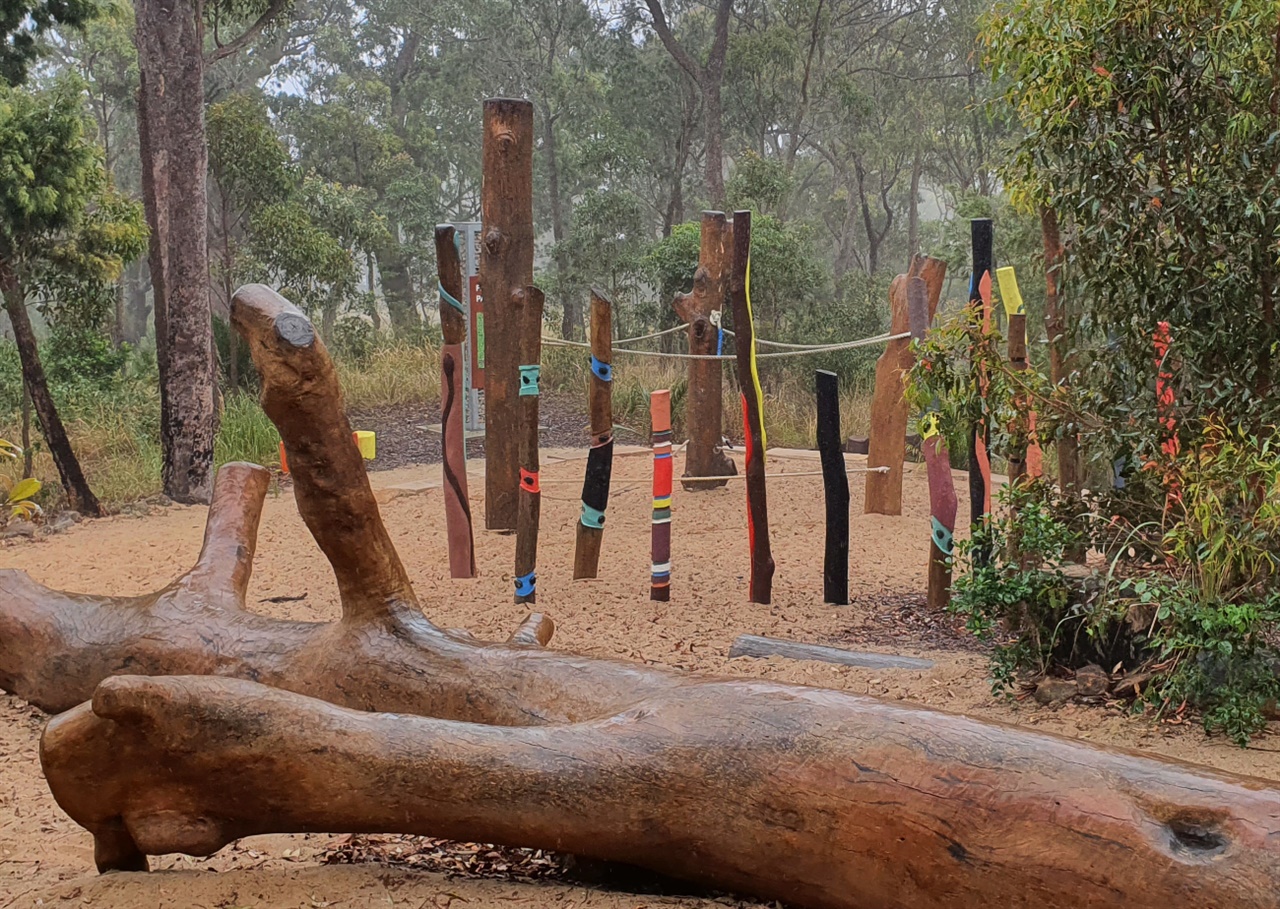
x,y
367,442
1009,293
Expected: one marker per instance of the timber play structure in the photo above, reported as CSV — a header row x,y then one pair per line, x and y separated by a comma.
x,y
187,722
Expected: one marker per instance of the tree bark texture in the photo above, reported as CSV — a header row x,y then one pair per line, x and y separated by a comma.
x,y
170,39
1055,323
453,328
943,504
819,798
36,388
704,408
527,310
506,269
1025,456
761,583
835,487
887,443
595,485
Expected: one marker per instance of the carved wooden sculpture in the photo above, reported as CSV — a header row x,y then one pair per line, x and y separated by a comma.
x,y
704,404
980,232
835,487
660,535
887,445
943,504
761,583
819,798
1026,460
595,486
506,268
453,326
527,312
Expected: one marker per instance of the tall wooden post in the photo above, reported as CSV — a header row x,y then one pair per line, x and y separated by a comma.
x,y
887,444
527,308
660,543
761,587
981,236
595,486
1025,458
835,486
453,326
704,408
937,459
506,268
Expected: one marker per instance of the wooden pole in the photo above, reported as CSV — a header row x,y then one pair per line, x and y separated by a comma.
x,y
595,486
704,410
835,486
660,546
527,307
887,443
506,268
453,326
942,487
981,236
1026,459
761,587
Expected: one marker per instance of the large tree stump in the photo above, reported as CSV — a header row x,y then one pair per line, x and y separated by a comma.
x,y
820,798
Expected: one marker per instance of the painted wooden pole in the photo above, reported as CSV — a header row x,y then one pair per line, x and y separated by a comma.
x,y
453,326
887,443
943,504
835,486
761,585
702,309
981,236
595,486
660,545
527,307
506,268
1026,459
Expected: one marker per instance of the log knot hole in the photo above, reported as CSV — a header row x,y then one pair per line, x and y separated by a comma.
x,y
1196,837
295,329
493,241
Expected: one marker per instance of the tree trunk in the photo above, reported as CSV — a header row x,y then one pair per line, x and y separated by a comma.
x,y
397,288
28,456
704,406
506,268
822,799
79,496
170,60
913,212
1055,323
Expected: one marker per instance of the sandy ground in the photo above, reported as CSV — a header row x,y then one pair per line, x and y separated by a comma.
x,y
45,859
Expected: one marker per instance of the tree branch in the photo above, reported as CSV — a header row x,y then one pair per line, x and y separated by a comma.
x,y
674,48
253,31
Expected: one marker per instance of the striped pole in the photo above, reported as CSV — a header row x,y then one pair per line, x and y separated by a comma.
x,y
660,549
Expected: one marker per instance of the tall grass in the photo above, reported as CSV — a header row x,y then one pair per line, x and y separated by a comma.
x,y
394,375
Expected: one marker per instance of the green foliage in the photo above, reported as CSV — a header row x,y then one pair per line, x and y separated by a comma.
x,y
1151,130
758,183
248,161
23,22
245,433
73,357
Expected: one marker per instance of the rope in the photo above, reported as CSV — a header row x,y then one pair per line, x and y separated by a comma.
x,y
829,348
657,334
783,344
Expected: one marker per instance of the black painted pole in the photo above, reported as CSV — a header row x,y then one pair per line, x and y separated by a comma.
x,y
835,485
981,236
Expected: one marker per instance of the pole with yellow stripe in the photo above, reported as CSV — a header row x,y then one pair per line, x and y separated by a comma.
x,y
660,541
761,585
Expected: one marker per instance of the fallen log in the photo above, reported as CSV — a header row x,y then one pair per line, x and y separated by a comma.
x,y
759,647
820,798
817,798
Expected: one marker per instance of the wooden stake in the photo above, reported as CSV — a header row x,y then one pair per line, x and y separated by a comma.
x,y
506,268
704,410
835,486
453,326
527,307
595,486
660,546
887,445
1025,458
980,232
942,486
761,590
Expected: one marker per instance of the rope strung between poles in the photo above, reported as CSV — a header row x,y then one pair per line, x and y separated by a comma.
x,y
657,334
829,348
783,344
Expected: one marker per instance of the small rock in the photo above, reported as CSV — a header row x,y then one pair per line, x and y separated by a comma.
x,y
18,529
1053,691
62,522
1092,681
